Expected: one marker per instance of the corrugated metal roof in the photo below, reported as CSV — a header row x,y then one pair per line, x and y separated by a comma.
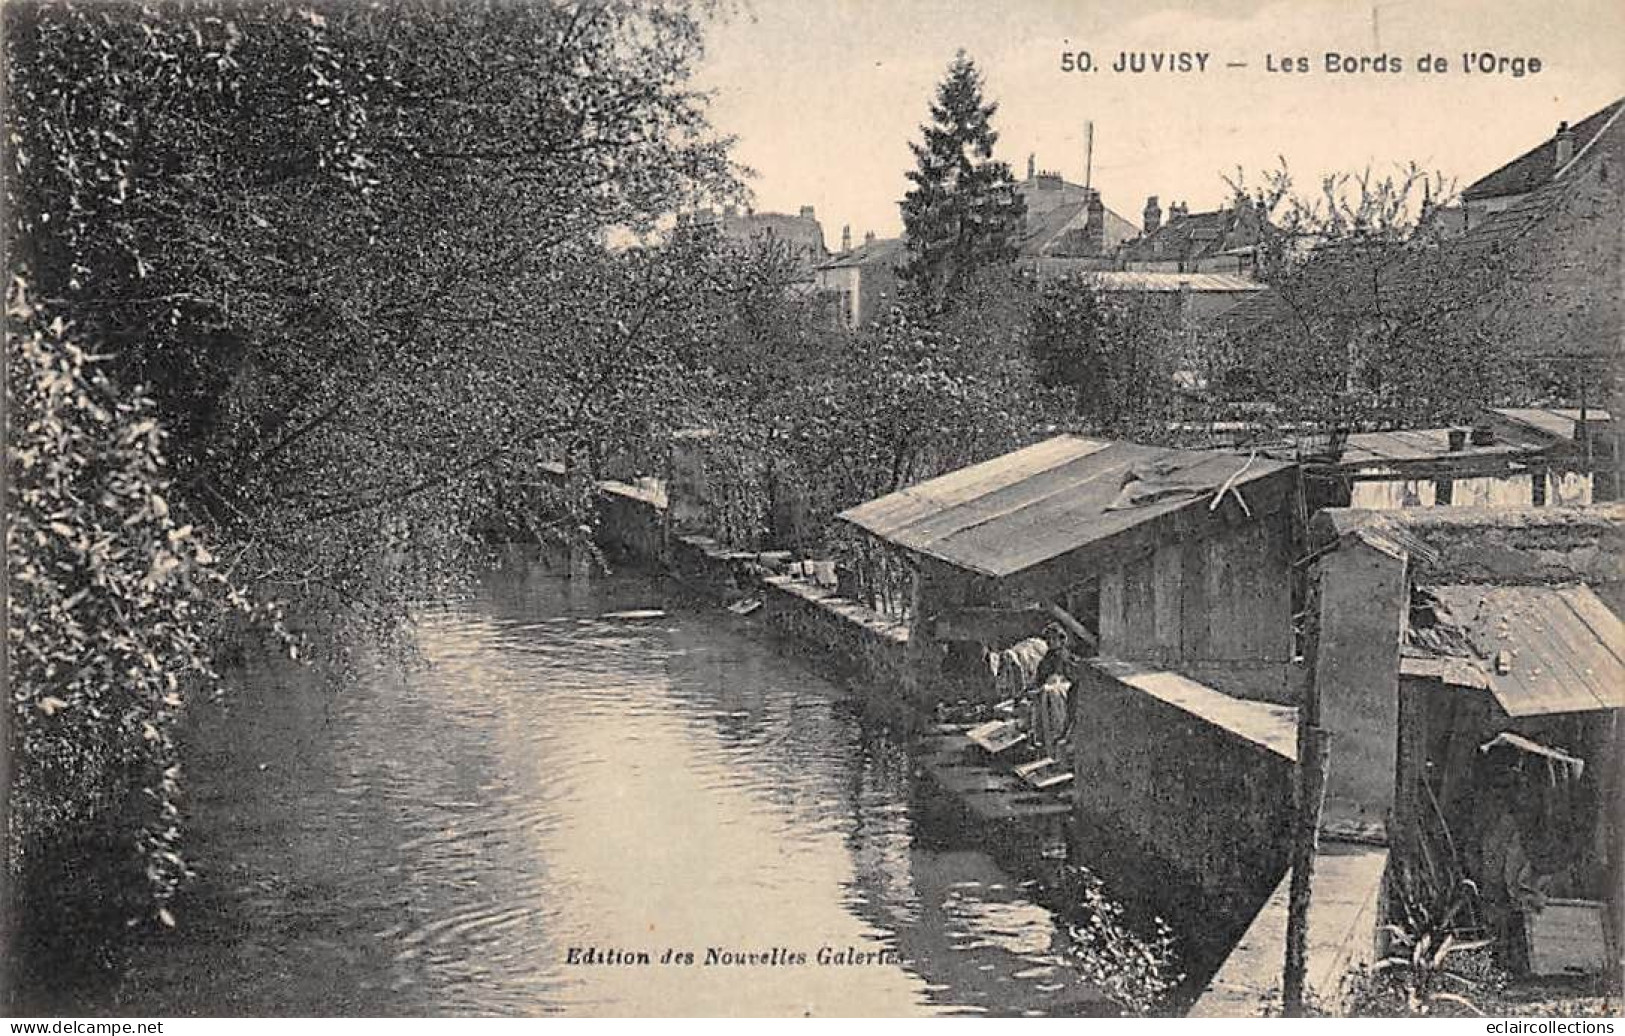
x,y
1559,423
1011,513
1135,280
1564,649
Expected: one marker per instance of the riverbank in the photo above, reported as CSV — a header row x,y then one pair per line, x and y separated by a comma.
x,y
573,762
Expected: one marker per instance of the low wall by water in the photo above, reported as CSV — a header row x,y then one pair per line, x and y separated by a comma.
x,y
866,649
1344,911
1196,780
861,647
1184,784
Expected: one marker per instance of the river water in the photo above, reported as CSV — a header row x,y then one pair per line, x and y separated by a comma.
x,y
581,766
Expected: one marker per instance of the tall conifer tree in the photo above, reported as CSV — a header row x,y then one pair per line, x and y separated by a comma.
x,y
963,212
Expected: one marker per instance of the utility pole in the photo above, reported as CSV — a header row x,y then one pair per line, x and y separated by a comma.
x,y
1088,153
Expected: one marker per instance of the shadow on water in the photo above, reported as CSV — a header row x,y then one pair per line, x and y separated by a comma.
x,y
579,765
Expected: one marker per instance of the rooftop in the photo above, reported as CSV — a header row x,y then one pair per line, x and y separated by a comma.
x,y
1561,423
886,249
1421,444
1538,649
1049,500
1551,192
1133,280
1547,546
1197,235
1045,232
1511,239
1539,164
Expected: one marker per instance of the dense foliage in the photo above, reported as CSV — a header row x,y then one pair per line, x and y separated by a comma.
x,y
365,265
1112,357
357,252
113,606
1374,314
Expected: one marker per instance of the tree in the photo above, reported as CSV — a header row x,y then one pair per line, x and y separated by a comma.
x,y
963,212
1372,316
358,253
350,271
113,608
1110,359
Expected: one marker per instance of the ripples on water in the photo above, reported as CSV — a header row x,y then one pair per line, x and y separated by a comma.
x,y
579,765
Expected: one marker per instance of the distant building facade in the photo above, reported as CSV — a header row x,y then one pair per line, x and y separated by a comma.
x,y
1068,226
861,283
1223,241
801,235
1188,298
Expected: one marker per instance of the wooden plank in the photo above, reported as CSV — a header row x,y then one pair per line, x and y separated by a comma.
x,y
1168,592
989,625
996,736
1567,937
1113,627
1139,609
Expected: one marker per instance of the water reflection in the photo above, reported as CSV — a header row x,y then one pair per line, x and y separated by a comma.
x,y
587,767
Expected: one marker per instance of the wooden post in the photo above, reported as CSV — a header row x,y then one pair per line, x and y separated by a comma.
x,y
1313,752
578,485
921,640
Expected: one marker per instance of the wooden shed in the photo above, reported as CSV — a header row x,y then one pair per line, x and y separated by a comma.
x,y
1181,557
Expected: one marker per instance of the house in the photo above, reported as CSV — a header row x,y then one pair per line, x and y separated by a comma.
x,y
801,235
1472,669
1178,557
1174,570
1561,251
1498,190
1067,226
1224,240
1537,278
861,282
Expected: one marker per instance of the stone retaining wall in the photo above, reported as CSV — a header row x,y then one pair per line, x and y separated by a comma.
x,y
1192,782
847,641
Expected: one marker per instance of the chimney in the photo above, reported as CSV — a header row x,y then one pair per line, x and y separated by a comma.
x,y
846,238
807,212
1152,215
1094,226
868,237
1032,166
1565,146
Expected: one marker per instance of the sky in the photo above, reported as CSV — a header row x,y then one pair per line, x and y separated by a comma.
x,y
825,95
